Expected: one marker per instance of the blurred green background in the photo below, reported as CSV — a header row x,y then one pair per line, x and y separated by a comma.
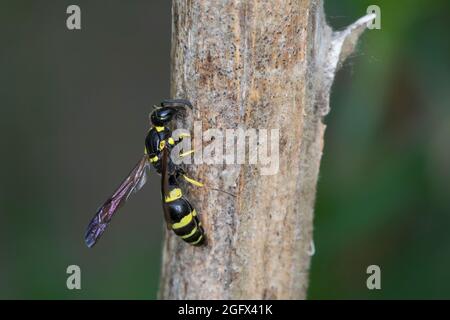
x,y
74,115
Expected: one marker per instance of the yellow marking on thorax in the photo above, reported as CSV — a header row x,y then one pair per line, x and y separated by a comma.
x,y
159,129
183,222
162,144
171,141
174,194
154,159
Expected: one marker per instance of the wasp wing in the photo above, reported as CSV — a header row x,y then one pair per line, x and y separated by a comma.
x,y
133,183
165,184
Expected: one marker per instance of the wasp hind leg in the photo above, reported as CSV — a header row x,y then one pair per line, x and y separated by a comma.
x,y
180,173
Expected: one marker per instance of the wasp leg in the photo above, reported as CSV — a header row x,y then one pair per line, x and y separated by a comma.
x,y
181,173
180,138
192,181
184,154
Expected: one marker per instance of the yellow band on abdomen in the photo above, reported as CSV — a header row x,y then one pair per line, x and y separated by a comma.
x,y
174,194
190,233
183,222
197,241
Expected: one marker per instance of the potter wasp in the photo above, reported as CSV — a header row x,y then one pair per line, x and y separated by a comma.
x,y
179,214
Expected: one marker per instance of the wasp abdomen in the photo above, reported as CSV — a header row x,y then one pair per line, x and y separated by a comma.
x,y
189,229
185,222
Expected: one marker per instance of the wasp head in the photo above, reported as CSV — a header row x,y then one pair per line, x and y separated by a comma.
x,y
169,108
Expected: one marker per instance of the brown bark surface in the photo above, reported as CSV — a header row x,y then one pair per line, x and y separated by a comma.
x,y
263,65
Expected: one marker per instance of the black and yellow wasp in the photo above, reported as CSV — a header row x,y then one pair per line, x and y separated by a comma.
x,y
179,214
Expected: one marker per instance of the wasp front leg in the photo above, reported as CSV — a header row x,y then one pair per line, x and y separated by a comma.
x,y
179,172
179,139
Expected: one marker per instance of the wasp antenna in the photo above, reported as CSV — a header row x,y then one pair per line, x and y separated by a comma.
x,y
229,193
176,103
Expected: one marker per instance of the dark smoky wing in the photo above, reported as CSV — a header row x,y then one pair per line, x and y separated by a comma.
x,y
165,184
133,183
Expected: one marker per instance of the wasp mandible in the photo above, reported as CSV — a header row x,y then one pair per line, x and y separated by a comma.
x,y
179,214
